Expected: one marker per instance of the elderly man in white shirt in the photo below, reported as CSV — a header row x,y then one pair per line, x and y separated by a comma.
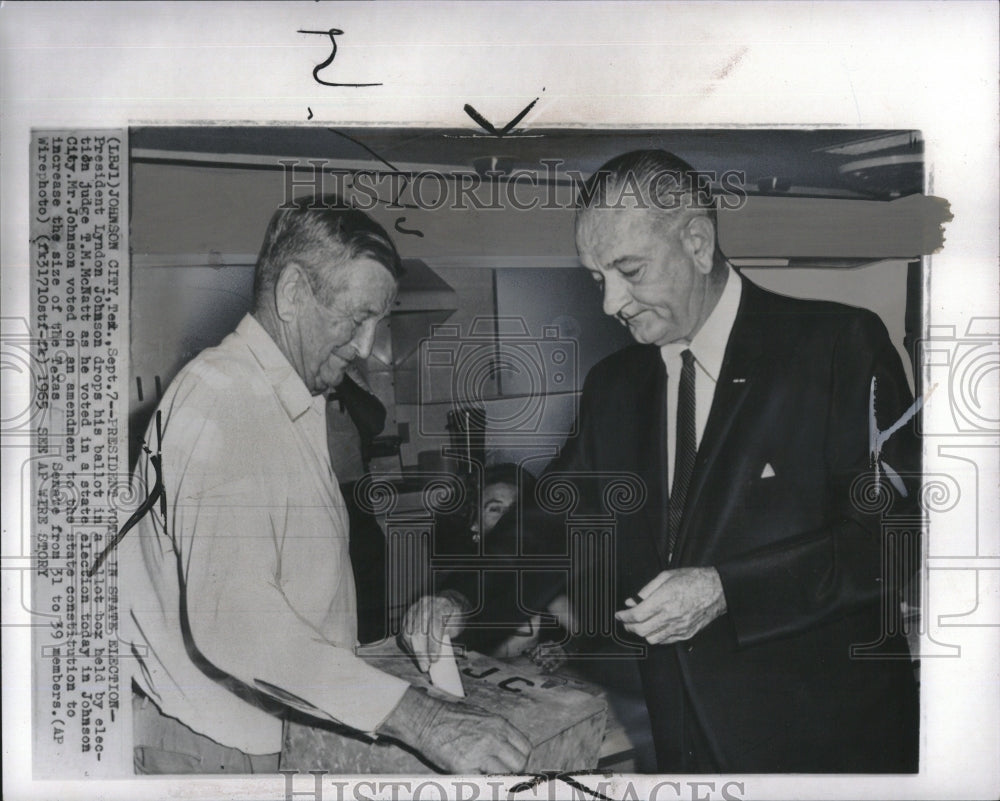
x,y
241,596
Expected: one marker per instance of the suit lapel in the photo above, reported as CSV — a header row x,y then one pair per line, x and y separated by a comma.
x,y
649,432
740,369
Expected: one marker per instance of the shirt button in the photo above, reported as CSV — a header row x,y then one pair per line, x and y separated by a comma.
x,y
689,648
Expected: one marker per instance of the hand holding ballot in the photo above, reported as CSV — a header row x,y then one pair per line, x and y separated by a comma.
x,y
427,622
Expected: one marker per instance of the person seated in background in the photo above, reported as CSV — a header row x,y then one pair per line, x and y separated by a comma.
x,y
469,530
490,524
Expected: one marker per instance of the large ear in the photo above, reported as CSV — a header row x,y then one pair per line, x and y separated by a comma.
x,y
290,290
698,237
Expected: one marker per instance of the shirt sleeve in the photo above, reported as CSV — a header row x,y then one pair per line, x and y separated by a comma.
x,y
266,587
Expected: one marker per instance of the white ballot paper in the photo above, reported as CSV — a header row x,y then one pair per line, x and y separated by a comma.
x,y
444,672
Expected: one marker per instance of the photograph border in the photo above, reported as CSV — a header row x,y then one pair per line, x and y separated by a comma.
x,y
102,67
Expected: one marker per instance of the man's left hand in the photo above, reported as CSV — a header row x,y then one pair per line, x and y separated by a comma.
x,y
675,605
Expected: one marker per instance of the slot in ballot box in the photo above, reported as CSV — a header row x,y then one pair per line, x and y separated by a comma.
x,y
563,718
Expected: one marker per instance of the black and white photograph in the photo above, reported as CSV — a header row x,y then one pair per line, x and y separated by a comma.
x,y
432,370
507,446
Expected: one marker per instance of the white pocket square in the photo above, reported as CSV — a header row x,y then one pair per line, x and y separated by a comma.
x,y
768,471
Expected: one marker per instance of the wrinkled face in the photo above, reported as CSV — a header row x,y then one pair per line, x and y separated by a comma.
x,y
654,277
497,499
330,337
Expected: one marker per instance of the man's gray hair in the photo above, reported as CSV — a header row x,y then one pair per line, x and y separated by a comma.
x,y
321,234
653,179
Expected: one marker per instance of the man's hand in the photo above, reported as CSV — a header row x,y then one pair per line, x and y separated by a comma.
x,y
457,738
470,740
549,656
425,624
675,605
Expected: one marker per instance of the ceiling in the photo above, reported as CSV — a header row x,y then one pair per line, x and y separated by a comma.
x,y
877,164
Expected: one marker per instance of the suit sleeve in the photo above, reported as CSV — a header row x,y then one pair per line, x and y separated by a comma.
x,y
577,453
849,563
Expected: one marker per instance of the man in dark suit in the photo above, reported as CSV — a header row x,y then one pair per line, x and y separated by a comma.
x,y
759,559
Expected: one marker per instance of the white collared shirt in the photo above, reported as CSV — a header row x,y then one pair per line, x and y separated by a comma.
x,y
709,348
256,518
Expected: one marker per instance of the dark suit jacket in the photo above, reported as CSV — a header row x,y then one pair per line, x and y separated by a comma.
x,y
807,571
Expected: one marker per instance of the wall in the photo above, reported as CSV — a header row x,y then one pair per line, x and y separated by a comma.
x,y
203,226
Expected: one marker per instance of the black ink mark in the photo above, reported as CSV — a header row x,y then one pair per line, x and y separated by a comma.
x,y
157,494
565,778
480,120
404,181
508,684
487,126
487,672
510,125
410,231
333,33
404,178
365,147
159,465
310,113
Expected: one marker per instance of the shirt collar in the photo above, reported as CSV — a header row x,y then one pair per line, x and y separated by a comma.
x,y
287,384
709,344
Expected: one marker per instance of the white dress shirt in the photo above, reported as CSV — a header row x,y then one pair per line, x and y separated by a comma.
x,y
257,521
708,348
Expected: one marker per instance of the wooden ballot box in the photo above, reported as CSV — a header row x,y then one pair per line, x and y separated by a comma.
x,y
564,718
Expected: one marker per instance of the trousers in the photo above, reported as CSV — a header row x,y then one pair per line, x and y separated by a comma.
x,y
164,745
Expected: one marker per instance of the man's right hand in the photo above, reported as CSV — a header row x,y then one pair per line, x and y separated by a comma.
x,y
458,739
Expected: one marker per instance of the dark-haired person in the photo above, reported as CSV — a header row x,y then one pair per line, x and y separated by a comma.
x,y
507,622
750,574
488,499
242,598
